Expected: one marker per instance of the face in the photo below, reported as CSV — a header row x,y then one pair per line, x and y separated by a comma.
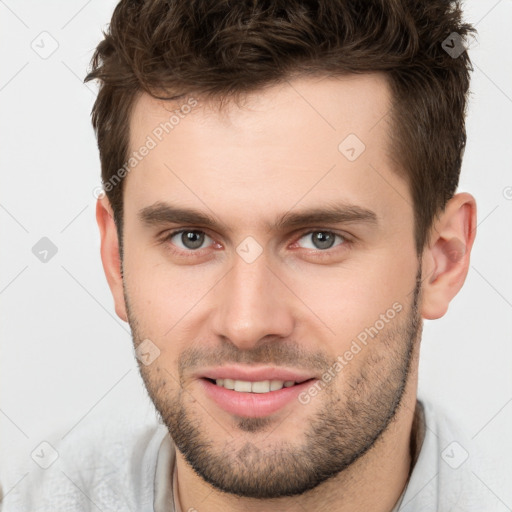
x,y
270,248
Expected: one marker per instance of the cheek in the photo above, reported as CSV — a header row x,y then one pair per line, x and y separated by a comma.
x,y
344,300
159,289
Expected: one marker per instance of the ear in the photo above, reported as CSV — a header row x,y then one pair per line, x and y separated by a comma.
x,y
446,258
110,254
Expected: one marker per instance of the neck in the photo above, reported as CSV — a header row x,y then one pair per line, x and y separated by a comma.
x,y
374,482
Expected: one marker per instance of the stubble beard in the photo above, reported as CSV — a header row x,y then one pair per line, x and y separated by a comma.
x,y
341,431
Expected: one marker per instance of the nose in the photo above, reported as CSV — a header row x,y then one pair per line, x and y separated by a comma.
x,y
252,302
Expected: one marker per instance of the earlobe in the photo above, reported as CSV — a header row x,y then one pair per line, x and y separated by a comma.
x,y
110,256
446,258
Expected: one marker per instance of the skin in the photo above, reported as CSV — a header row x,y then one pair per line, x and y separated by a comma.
x,y
296,304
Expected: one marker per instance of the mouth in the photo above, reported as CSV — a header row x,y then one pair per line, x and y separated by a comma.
x,y
247,393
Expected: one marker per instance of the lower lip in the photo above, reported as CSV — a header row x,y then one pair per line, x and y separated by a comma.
x,y
253,405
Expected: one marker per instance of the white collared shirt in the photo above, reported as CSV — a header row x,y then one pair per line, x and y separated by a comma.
x,y
132,468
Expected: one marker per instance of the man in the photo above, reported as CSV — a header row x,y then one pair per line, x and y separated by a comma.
x,y
280,215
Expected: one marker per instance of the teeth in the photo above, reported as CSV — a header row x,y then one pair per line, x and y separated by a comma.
x,y
241,385
276,385
262,386
228,383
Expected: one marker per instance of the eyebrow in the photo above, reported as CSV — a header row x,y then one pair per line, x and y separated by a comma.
x,y
162,213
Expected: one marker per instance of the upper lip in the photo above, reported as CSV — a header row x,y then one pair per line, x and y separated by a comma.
x,y
254,374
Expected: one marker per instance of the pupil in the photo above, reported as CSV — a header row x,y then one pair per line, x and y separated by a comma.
x,y
192,239
323,240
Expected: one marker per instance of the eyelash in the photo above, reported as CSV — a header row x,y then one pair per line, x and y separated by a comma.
x,y
319,253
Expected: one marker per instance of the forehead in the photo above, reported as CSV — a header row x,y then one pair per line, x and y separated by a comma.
x,y
308,140
335,104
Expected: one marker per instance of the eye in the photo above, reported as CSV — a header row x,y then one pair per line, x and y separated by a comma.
x,y
190,239
322,239
193,240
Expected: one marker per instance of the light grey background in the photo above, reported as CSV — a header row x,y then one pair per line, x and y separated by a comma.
x,y
64,354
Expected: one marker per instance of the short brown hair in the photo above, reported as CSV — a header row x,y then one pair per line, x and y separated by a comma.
x,y
222,49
